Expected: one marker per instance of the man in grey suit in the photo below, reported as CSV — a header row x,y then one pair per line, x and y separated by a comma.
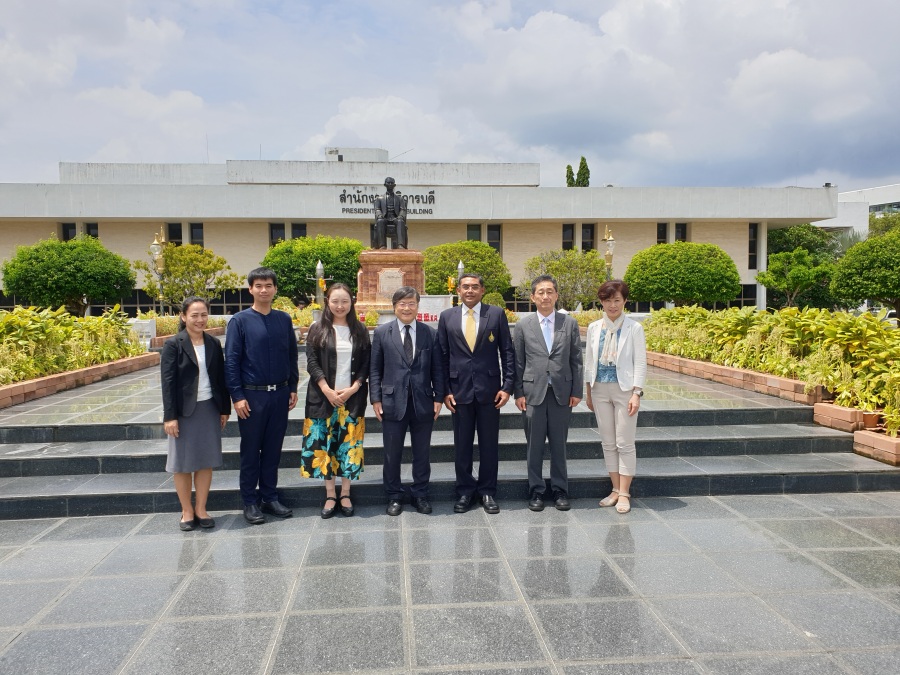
x,y
406,384
549,384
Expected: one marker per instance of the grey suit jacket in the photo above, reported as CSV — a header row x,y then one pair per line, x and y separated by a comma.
x,y
561,367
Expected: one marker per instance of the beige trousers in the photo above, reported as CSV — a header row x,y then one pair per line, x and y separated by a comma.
x,y
617,429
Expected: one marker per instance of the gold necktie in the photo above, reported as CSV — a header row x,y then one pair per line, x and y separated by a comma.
x,y
471,331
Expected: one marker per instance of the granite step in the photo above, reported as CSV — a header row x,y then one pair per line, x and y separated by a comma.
x,y
510,418
116,457
105,494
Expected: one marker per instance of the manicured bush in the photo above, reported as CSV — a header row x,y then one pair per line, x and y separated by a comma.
x,y
73,273
494,299
578,275
441,263
870,270
188,270
294,261
684,273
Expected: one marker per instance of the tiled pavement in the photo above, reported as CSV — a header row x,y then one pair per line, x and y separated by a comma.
x,y
731,584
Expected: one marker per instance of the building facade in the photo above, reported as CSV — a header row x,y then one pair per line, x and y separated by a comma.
x,y
240,208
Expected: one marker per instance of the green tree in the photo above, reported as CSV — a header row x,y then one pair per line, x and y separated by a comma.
x,y
578,275
684,273
881,225
477,256
73,273
187,270
792,272
871,271
294,261
570,176
824,248
583,177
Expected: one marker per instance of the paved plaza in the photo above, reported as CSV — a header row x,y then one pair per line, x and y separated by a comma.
x,y
722,583
739,584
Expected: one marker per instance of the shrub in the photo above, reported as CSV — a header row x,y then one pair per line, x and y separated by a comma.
x,y
294,261
188,270
441,262
71,273
494,299
578,275
371,319
870,270
855,357
684,273
38,342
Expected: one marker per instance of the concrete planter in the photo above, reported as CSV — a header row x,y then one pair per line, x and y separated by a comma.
x,y
838,417
20,392
749,380
878,446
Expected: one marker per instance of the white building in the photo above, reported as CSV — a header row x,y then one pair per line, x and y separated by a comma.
x,y
240,208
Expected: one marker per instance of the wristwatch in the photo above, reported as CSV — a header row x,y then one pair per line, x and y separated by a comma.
x,y
639,392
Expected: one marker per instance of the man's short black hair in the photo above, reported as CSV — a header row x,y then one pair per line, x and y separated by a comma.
x,y
404,292
262,274
541,279
472,275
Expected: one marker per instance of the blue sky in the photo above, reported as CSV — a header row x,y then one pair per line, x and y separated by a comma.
x,y
652,92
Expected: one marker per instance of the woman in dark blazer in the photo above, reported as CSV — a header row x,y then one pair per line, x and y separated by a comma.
x,y
338,352
196,407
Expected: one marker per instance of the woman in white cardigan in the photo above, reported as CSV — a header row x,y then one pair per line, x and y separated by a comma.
x,y
615,367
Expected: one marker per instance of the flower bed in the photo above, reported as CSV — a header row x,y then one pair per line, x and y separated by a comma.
x,y
20,392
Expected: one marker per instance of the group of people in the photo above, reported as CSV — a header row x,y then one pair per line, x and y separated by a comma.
x,y
408,371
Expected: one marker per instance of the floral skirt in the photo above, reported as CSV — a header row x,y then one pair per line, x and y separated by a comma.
x,y
333,447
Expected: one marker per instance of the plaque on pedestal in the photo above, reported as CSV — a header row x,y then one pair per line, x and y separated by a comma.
x,y
384,271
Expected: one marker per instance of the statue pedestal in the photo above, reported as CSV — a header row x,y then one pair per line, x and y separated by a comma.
x,y
384,271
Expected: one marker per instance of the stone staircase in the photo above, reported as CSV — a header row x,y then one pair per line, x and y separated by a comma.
x,y
98,469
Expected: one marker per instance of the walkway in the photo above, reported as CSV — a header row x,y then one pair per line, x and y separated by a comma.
x,y
740,584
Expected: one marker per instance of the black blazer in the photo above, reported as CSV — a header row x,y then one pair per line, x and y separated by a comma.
x,y
180,374
393,377
476,376
321,362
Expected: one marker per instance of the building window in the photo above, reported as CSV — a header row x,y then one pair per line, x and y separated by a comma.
x,y
174,233
298,230
197,234
473,232
662,233
753,246
588,231
276,233
681,232
494,237
92,230
67,231
568,236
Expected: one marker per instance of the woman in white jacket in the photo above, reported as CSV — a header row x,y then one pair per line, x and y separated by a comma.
x,y
615,367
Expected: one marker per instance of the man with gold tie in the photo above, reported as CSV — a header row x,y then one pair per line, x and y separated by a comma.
x,y
479,371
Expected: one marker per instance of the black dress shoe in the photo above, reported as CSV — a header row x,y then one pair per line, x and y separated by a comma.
x,y
346,510
536,503
187,525
394,508
421,504
253,515
562,501
490,506
206,523
463,504
276,508
326,511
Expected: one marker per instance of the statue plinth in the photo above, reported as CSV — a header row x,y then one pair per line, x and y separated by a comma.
x,y
383,271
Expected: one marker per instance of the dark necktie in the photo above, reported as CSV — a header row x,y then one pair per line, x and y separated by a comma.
x,y
407,344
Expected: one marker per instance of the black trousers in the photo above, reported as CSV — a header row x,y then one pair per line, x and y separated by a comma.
x,y
394,433
485,419
262,435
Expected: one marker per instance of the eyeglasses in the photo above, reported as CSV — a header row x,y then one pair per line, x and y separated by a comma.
x,y
469,287
407,305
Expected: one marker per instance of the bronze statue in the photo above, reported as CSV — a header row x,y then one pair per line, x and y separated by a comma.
x,y
390,218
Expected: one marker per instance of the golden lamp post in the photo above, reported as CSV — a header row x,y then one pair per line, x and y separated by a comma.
x,y
156,250
610,249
